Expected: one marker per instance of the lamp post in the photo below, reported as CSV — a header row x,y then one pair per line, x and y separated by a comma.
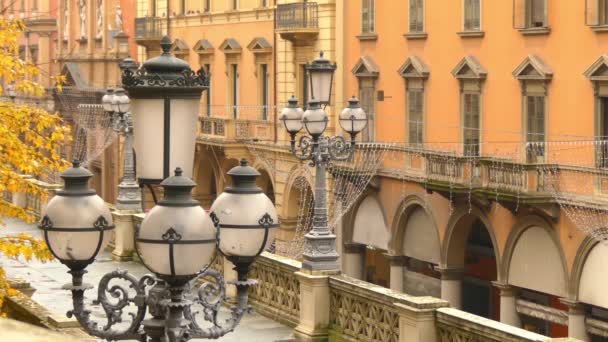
x,y
117,104
320,243
177,241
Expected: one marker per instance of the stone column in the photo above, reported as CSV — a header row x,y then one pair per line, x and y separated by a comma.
x,y
576,320
353,260
396,277
314,306
451,285
124,233
508,308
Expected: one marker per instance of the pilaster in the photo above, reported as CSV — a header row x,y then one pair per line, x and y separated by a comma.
x,y
124,233
314,307
451,285
508,307
576,320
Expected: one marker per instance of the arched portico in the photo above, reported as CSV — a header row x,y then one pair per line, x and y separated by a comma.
x,y
205,173
366,242
470,262
295,213
535,265
588,289
415,247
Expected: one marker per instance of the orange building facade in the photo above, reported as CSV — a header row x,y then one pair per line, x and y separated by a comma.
x,y
486,83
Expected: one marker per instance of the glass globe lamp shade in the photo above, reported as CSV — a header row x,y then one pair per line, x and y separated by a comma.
x,y
106,100
315,118
177,238
353,118
121,102
76,222
246,217
292,116
321,73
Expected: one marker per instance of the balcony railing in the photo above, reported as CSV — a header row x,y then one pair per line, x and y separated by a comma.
x,y
299,15
148,28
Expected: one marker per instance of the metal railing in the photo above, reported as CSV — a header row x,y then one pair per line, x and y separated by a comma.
x,y
148,28
299,15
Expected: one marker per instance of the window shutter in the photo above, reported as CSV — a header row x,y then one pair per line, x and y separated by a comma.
x,y
476,15
364,15
519,14
415,123
412,14
592,11
539,13
371,16
420,11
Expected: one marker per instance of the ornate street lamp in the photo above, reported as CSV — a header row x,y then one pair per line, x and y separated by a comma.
x,y
165,97
321,75
117,104
176,241
320,249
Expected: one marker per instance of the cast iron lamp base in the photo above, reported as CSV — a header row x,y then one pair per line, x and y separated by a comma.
x,y
170,305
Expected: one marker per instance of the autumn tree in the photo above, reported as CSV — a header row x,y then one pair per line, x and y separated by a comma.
x,y
30,141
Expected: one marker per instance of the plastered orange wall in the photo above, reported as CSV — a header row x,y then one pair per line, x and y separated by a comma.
x,y
569,49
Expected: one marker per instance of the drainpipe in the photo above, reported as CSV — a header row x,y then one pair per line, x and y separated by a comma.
x,y
274,63
168,24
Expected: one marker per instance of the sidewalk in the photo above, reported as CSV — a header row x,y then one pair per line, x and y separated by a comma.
x,y
47,279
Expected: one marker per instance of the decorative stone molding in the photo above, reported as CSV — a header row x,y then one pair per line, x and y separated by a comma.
x,y
543,312
597,327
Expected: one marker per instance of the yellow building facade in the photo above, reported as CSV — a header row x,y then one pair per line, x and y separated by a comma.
x,y
488,119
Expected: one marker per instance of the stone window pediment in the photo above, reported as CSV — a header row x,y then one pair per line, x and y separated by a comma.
x,y
260,45
203,47
366,67
598,71
414,67
469,68
180,47
230,46
533,68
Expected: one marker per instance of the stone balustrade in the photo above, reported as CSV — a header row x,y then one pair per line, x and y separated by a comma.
x,y
32,203
212,128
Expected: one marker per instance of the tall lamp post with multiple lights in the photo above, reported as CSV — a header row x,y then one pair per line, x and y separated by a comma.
x,y
177,239
117,104
320,248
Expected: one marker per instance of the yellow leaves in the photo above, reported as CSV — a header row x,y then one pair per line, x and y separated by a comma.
x,y
25,246
59,80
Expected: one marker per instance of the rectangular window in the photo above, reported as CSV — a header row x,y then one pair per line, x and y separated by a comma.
x,y
234,78
183,7
603,12
367,96
602,146
208,92
535,13
415,108
263,76
535,127
416,15
235,4
302,86
367,16
472,15
471,109
207,6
